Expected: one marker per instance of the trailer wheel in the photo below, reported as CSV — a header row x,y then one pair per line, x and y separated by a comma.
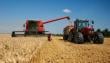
x,y
13,34
78,38
98,38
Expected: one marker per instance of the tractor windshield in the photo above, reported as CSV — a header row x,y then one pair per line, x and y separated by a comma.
x,y
83,24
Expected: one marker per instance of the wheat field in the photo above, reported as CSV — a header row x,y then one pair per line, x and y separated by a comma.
x,y
40,50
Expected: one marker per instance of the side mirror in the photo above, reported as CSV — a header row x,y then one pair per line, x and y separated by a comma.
x,y
92,22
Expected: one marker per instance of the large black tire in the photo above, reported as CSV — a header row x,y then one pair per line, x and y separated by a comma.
x,y
26,33
70,37
98,38
65,37
78,38
13,34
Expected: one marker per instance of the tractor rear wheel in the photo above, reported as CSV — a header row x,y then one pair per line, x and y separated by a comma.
x,y
13,34
70,37
65,37
78,38
98,38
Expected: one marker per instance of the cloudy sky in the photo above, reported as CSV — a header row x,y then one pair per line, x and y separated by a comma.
x,y
13,13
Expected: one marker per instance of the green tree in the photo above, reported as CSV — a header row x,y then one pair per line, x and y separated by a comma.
x,y
98,30
106,32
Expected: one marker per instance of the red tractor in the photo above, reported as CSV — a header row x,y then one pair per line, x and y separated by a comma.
x,y
33,27
81,32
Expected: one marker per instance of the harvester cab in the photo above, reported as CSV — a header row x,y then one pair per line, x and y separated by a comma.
x,y
34,27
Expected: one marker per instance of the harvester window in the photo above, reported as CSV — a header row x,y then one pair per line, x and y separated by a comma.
x,y
32,26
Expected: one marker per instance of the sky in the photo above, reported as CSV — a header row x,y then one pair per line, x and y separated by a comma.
x,y
14,13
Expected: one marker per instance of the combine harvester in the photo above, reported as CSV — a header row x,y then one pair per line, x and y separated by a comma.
x,y
33,27
82,31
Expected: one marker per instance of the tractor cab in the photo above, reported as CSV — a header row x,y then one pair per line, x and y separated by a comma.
x,y
83,24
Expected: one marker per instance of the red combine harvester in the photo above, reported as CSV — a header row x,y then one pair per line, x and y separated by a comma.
x,y
33,27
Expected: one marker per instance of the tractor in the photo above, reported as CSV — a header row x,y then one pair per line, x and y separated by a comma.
x,y
36,27
82,31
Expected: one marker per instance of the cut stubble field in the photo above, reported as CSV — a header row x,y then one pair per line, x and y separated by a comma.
x,y
40,50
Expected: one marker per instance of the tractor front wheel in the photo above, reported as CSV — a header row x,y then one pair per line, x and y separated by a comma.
x,y
78,38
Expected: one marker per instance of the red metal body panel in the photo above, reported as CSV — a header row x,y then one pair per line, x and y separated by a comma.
x,y
40,27
86,30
